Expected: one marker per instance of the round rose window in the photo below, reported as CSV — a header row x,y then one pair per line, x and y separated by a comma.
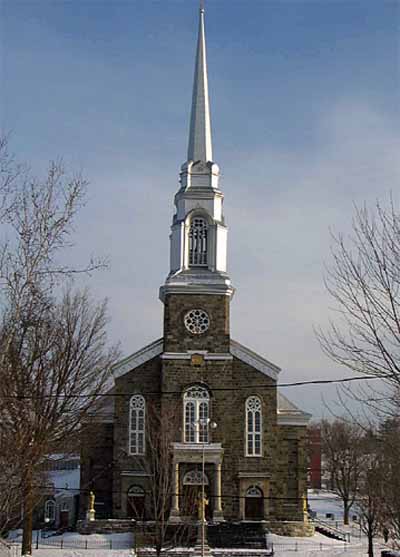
x,y
196,321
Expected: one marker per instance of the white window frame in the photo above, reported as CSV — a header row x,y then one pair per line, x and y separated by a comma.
x,y
50,510
198,242
137,425
254,433
196,411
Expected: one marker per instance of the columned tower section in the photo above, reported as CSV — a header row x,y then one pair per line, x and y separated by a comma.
x,y
198,238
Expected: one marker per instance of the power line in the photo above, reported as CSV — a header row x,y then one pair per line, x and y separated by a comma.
x,y
181,495
216,389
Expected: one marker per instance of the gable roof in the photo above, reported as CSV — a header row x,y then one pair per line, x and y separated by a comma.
x,y
156,349
255,360
288,412
137,358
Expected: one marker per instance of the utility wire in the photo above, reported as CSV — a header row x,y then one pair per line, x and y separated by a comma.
x,y
216,389
210,495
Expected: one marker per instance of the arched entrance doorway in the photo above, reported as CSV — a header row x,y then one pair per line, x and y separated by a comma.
x,y
254,504
192,488
135,503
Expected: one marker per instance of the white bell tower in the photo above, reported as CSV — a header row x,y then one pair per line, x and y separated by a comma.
x,y
198,232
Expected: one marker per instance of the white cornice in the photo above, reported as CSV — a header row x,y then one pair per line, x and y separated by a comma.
x,y
205,283
300,419
288,414
138,358
188,355
156,349
255,360
260,475
135,473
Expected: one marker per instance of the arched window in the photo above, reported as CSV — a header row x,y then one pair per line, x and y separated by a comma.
x,y
196,409
137,408
50,511
195,477
253,426
198,242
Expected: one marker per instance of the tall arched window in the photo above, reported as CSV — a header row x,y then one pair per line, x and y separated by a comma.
x,y
196,411
137,410
253,427
198,242
50,511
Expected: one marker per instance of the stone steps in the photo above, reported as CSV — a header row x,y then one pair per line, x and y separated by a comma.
x,y
237,535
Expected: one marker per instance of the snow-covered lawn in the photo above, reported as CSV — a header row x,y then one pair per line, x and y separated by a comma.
x,y
320,546
324,502
72,544
321,502
52,552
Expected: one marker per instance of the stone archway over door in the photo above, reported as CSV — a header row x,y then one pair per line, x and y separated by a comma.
x,y
254,504
135,503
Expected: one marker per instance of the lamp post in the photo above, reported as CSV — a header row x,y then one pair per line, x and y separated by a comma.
x,y
206,424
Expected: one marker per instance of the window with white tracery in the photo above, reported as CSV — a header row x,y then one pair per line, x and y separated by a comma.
x,y
196,411
253,427
195,477
50,511
137,410
198,242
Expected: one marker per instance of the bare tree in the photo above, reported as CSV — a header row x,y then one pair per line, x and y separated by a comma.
x,y
10,173
10,501
370,496
54,360
162,422
343,452
364,282
389,452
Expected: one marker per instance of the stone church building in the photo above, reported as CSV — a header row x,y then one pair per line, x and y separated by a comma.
x,y
230,417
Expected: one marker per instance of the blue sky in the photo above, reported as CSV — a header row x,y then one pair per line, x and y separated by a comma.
x,y
305,107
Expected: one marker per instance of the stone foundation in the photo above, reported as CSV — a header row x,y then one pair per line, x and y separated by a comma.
x,y
291,528
107,526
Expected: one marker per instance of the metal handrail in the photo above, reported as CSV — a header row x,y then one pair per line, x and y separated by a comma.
x,y
345,535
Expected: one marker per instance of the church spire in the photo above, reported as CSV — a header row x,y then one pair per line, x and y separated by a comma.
x,y
200,145
198,245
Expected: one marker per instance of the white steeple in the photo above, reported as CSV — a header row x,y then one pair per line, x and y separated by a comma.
x,y
198,232
200,145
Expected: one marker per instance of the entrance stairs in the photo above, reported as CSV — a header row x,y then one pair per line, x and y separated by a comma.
x,y
240,535
330,531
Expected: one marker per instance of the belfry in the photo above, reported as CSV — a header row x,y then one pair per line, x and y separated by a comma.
x,y
198,231
252,463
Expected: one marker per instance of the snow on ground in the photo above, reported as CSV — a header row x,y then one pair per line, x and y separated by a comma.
x,y
284,546
74,545
68,479
52,552
323,502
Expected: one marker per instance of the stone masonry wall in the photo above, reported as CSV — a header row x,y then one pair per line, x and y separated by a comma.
x,y
291,483
176,336
96,468
230,384
145,380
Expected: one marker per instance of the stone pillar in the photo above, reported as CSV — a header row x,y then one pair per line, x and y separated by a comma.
x,y
218,514
266,499
242,500
174,514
